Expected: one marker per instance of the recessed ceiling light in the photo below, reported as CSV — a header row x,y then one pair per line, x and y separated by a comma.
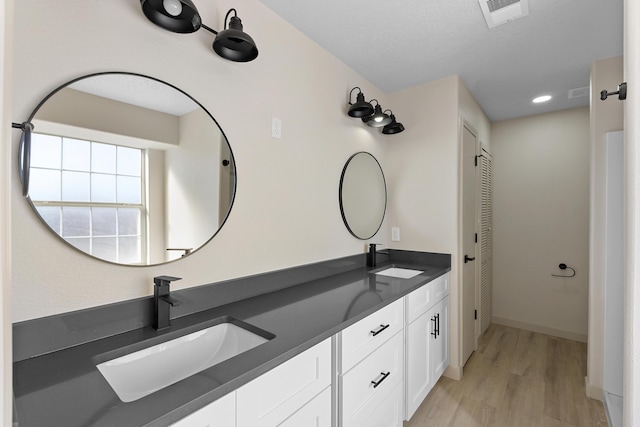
x,y
543,98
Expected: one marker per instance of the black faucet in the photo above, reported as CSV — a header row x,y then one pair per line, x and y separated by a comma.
x,y
163,301
371,255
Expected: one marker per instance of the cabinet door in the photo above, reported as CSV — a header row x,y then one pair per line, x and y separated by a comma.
x,y
367,386
439,350
275,396
418,376
316,413
221,413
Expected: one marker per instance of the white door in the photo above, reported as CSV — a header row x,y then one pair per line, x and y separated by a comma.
x,y
468,275
485,239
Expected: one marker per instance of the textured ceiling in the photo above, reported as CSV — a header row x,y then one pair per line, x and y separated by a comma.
x,y
400,44
136,90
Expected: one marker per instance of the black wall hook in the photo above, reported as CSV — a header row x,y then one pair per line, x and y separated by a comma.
x,y
621,92
563,266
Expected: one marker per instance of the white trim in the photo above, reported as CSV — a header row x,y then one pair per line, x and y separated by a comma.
x,y
453,372
631,386
464,123
592,391
541,329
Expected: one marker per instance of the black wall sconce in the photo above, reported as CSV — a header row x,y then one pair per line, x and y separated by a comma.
x,y
378,119
361,108
181,16
373,116
393,127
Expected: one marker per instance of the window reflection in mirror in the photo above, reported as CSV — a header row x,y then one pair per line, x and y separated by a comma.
x,y
129,169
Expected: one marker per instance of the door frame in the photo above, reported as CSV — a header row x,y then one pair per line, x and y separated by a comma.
x,y
464,123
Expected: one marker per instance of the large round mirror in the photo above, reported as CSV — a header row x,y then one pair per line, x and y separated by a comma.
x,y
129,169
363,195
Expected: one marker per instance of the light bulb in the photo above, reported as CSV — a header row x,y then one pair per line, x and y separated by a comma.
x,y
173,7
378,119
543,98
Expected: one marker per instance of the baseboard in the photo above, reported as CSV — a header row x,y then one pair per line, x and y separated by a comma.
x,y
541,329
453,372
613,408
593,391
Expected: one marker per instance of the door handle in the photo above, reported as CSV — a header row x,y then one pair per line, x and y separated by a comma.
x,y
467,258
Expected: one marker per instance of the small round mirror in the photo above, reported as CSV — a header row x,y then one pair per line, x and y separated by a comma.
x,y
363,195
129,169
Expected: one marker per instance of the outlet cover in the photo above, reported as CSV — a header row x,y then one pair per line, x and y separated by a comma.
x,y
276,128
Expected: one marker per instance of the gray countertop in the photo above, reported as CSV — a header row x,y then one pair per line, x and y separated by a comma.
x,y
64,387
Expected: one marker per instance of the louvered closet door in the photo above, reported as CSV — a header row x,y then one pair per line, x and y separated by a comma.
x,y
486,238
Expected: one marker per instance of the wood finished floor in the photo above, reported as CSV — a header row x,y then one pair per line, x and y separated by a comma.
x,y
516,378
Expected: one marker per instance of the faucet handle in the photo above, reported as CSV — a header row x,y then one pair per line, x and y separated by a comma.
x,y
165,280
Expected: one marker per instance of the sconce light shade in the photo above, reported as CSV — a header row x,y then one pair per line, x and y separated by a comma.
x,y
179,16
233,43
361,108
393,127
378,119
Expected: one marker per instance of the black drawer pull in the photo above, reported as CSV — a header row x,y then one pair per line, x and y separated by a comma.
x,y
384,377
435,327
382,328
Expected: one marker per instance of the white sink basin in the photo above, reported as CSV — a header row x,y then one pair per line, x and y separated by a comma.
x,y
400,273
145,371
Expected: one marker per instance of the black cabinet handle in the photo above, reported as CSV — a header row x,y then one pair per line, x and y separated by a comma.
x,y
435,327
438,324
384,377
382,328
467,258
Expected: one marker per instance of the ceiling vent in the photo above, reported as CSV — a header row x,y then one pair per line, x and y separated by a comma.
x,y
498,12
579,92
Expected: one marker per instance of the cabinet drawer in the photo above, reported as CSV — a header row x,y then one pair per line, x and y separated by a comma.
x,y
389,413
361,338
221,413
360,394
420,300
316,413
273,397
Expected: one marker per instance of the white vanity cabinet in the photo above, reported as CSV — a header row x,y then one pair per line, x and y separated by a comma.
x,y
221,413
294,394
426,340
378,372
371,369
289,391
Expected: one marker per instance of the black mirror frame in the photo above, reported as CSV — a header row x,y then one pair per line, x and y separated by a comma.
x,y
24,154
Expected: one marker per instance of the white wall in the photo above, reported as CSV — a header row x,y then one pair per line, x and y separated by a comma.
x,y
422,177
605,116
286,210
192,184
6,367
541,219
